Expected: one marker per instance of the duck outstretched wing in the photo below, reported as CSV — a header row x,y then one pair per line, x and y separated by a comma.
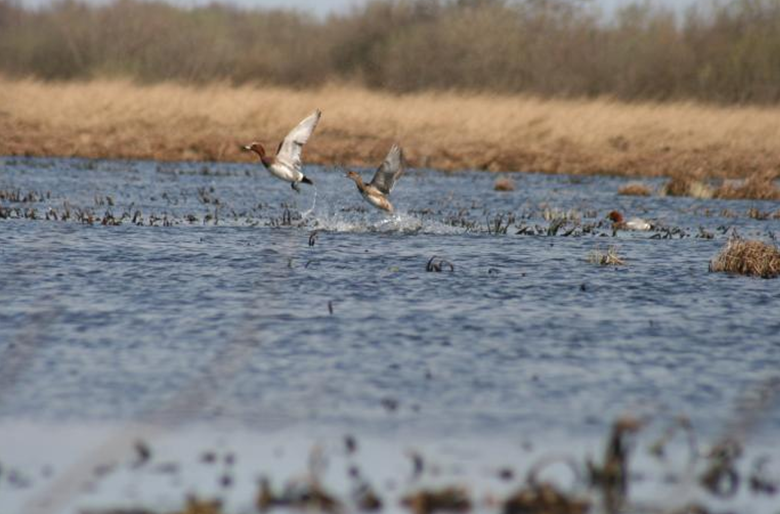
x,y
290,148
389,171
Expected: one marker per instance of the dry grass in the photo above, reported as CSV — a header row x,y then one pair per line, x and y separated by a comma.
x,y
116,118
635,189
685,185
504,184
608,258
748,257
757,187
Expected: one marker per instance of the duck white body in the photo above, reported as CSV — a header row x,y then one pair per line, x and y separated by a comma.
x,y
637,224
286,164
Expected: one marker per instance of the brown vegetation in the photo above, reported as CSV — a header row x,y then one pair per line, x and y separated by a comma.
x,y
608,258
748,257
504,184
119,119
635,189
685,185
756,187
719,51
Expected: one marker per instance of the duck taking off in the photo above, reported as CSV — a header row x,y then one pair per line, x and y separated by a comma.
x,y
286,164
376,191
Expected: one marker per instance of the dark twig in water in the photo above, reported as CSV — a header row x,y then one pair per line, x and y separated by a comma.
x,y
437,264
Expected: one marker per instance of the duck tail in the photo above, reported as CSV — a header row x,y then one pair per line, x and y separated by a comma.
x,y
307,180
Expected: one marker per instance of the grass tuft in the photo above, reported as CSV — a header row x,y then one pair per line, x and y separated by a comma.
x,y
635,189
608,258
757,187
748,257
685,185
504,184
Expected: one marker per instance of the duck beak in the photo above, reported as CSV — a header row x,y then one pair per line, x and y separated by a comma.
x,y
248,148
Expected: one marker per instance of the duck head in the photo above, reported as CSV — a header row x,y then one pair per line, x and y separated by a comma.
x,y
354,176
615,216
255,147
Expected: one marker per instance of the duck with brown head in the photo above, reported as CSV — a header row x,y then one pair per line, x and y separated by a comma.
x,y
619,223
377,191
286,164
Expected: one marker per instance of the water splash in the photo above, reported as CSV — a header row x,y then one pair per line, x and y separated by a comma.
x,y
306,213
374,222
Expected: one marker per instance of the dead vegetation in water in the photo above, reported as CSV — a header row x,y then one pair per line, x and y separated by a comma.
x,y
504,184
609,257
428,501
444,130
635,189
748,257
605,482
756,187
685,185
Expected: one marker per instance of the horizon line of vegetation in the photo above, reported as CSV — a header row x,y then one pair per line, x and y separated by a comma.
x,y
716,52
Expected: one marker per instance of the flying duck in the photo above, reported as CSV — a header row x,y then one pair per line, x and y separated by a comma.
x,y
286,164
376,191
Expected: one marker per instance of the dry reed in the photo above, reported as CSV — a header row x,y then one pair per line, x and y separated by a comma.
x,y
635,189
748,257
504,184
684,185
757,187
167,121
608,258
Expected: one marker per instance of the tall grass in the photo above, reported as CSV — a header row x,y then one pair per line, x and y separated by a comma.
x,y
717,51
117,118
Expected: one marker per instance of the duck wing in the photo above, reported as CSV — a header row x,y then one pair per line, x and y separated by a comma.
x,y
389,171
289,151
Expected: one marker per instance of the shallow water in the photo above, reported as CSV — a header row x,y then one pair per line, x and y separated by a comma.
x,y
222,314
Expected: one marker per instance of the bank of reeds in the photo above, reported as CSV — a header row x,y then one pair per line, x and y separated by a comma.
x,y
748,257
168,121
717,51
635,189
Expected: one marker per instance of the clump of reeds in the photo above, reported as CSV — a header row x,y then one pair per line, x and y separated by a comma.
x,y
683,185
635,189
504,184
608,258
756,187
748,257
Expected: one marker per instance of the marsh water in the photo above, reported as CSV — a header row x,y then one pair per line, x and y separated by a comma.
x,y
215,302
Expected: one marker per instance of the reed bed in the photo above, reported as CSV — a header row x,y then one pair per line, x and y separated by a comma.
x,y
445,130
635,189
748,257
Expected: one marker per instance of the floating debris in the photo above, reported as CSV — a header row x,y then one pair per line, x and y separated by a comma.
x,y
608,258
